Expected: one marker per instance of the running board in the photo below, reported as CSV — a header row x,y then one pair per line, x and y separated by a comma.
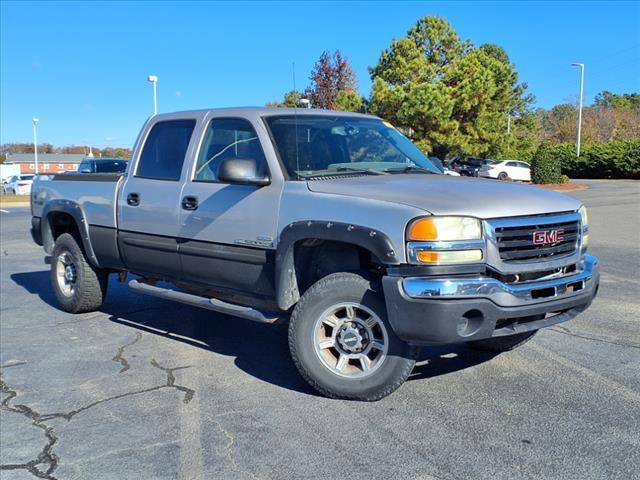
x,y
203,302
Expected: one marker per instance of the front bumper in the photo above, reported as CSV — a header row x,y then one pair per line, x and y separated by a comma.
x,y
425,310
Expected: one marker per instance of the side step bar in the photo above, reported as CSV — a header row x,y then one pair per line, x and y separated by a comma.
x,y
203,302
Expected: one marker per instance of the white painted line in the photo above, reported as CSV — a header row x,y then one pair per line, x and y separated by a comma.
x,y
4,211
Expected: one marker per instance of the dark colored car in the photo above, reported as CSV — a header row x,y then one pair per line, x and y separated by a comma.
x,y
468,166
102,165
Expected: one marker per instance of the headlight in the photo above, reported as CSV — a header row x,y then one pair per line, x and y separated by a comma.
x,y
448,257
445,240
444,229
583,216
584,220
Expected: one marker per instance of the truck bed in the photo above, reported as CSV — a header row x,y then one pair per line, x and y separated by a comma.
x,y
94,193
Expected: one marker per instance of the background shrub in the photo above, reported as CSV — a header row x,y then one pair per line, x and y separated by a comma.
x,y
545,166
616,159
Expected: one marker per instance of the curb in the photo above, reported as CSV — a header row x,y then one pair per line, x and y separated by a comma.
x,y
573,187
14,204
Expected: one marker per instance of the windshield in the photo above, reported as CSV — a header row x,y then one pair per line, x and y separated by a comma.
x,y
110,166
26,177
334,145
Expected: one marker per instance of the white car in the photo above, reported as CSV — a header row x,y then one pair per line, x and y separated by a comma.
x,y
19,185
513,169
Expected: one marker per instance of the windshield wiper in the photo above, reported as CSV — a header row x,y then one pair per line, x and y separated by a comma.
x,y
361,170
409,168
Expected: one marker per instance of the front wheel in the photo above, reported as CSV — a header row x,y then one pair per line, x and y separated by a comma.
x,y
341,341
79,286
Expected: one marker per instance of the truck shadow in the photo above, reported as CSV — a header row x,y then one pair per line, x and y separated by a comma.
x,y
260,350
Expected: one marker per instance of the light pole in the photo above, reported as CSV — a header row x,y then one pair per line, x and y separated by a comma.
x,y
154,79
581,65
508,123
35,142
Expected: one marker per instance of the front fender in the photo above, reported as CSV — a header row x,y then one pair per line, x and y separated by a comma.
x,y
376,242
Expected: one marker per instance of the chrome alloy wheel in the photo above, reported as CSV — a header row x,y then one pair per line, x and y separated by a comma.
x,y
66,274
350,340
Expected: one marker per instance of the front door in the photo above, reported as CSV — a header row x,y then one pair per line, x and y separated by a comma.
x,y
227,232
149,202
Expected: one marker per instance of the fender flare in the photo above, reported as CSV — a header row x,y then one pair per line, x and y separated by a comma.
x,y
75,211
376,242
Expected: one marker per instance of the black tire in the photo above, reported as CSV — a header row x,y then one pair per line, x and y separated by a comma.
x,y
90,285
502,344
333,290
503,176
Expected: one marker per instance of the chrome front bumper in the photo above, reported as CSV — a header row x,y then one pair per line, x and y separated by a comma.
x,y
504,294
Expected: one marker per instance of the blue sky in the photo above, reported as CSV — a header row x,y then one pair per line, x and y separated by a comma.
x,y
82,67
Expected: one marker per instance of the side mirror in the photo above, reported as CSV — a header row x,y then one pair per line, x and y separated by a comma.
x,y
243,171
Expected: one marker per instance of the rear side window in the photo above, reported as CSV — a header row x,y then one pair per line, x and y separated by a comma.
x,y
228,138
513,164
164,151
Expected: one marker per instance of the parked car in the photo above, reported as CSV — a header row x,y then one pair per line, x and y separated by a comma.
x,y
333,222
443,167
502,170
8,170
467,166
19,185
102,165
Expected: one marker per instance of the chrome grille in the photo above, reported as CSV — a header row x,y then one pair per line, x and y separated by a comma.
x,y
516,243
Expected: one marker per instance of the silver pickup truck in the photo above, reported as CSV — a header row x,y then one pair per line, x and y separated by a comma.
x,y
333,222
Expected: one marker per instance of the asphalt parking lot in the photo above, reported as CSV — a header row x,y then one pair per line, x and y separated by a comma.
x,y
149,389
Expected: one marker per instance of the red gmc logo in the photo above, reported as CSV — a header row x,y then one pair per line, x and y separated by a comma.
x,y
544,237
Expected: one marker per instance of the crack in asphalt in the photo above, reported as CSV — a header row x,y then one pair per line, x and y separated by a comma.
x,y
566,331
46,457
228,452
119,356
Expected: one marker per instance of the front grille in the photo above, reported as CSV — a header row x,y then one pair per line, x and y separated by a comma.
x,y
517,243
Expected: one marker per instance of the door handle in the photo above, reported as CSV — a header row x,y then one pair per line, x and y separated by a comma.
x,y
133,199
190,203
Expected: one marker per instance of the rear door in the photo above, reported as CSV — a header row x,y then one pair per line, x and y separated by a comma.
x,y
228,231
149,201
526,171
514,171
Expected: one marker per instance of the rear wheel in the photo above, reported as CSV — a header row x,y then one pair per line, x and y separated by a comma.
x,y
342,343
503,176
79,286
502,344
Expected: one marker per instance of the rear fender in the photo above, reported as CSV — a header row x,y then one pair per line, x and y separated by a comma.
x,y
75,211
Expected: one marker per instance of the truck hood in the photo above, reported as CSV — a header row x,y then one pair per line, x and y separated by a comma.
x,y
447,195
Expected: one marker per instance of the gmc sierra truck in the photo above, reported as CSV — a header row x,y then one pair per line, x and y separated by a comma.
x,y
333,222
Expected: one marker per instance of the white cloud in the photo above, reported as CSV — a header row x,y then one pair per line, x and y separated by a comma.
x,y
178,93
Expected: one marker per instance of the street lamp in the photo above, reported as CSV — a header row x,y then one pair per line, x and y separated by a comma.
x,y
35,142
581,65
154,79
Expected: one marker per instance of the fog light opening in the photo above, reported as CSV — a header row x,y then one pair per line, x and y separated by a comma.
x,y
470,323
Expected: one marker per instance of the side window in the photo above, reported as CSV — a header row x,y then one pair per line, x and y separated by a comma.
x,y
227,138
164,151
512,164
524,165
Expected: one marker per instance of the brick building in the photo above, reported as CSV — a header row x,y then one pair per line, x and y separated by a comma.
x,y
47,162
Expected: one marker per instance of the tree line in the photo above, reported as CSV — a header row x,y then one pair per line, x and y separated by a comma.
x,y
455,98
8,149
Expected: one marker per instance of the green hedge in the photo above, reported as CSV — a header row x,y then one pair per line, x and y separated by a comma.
x,y
617,159
545,167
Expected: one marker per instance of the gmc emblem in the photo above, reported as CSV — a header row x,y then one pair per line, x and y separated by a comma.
x,y
544,237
